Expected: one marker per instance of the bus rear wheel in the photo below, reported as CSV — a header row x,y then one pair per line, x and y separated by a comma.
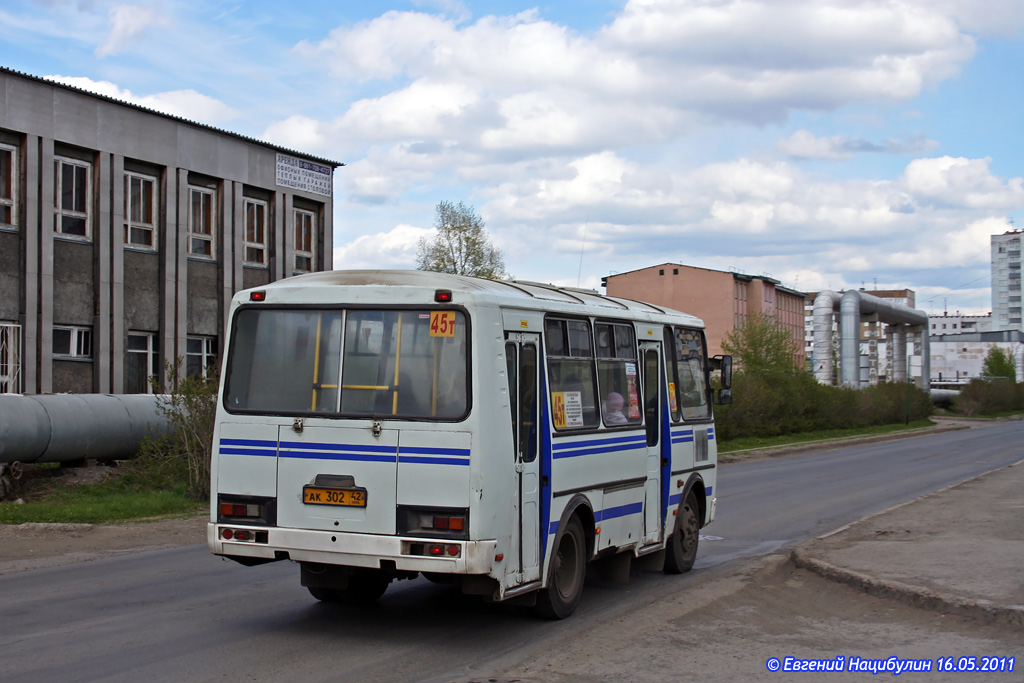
x,y
365,587
681,550
567,573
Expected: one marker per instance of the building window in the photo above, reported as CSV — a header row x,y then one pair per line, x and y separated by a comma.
x,y
200,356
140,210
201,211
141,362
8,185
71,192
305,241
255,232
72,342
10,358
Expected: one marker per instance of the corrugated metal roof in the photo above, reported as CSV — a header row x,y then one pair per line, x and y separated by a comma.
x,y
64,86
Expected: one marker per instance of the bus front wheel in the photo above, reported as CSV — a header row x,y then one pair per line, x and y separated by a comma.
x,y
568,570
681,550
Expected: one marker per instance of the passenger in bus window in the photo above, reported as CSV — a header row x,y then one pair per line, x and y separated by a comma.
x,y
613,409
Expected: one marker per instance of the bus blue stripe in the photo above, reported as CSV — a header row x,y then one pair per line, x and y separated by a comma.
x,y
431,461
248,442
457,452
297,445
566,445
334,455
619,511
248,451
598,451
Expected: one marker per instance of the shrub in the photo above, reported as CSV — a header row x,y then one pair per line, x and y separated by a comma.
x,y
773,404
182,457
989,397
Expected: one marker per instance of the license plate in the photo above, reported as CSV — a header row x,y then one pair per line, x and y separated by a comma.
x,y
319,495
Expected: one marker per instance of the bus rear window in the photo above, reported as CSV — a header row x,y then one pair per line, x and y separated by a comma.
x,y
383,363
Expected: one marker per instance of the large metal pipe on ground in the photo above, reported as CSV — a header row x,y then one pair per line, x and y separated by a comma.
x,y
70,427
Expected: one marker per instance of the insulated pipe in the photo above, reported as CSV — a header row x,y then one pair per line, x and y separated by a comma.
x,y
853,304
69,427
825,305
926,359
899,354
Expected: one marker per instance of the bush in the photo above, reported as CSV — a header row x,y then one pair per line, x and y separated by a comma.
x,y
182,458
989,397
774,404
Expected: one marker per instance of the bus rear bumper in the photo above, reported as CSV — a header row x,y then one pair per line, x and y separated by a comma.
x,y
353,550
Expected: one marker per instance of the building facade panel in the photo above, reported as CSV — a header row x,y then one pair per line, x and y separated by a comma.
x,y
123,235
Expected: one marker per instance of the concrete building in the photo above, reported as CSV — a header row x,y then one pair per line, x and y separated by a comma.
x,y
956,323
124,233
722,299
957,358
1006,279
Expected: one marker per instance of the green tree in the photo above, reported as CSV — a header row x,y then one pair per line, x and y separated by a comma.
x,y
762,346
999,363
461,245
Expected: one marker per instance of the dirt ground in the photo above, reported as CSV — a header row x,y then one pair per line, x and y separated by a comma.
x,y
34,546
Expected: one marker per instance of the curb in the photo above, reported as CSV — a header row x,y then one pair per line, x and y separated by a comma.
x,y
808,446
984,610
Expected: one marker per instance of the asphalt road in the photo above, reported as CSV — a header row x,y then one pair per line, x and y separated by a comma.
x,y
181,614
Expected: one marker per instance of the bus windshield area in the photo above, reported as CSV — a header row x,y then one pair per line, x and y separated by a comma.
x,y
401,363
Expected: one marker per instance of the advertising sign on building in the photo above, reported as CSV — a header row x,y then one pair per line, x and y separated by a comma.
x,y
306,176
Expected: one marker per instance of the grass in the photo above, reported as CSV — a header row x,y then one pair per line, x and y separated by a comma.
x,y
107,502
749,442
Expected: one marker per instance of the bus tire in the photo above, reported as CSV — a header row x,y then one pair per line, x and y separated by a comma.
x,y
681,549
567,573
324,594
365,587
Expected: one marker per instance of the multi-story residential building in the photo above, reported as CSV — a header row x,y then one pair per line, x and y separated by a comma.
x,y
1006,281
723,299
124,233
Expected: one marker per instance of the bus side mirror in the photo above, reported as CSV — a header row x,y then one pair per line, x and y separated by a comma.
x,y
724,364
724,397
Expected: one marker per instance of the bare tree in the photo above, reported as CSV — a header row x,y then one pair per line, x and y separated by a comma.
x,y
461,245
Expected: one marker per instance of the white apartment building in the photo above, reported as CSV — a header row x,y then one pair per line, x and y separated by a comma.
x,y
1006,270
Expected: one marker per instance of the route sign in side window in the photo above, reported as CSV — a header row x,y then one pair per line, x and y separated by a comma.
x,y
574,402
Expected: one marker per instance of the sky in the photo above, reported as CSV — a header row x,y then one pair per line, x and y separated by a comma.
x,y
828,144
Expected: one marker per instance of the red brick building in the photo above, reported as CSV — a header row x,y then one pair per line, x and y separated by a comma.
x,y
722,299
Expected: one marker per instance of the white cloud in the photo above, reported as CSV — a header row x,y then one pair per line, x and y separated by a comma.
x,y
803,144
962,182
393,249
127,24
187,104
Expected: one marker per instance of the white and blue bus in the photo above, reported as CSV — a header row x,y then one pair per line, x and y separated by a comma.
x,y
377,425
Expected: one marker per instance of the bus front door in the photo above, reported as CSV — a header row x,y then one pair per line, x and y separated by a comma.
x,y
521,356
653,372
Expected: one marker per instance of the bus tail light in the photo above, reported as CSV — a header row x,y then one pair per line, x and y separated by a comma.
x,y
246,509
243,535
433,522
442,550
